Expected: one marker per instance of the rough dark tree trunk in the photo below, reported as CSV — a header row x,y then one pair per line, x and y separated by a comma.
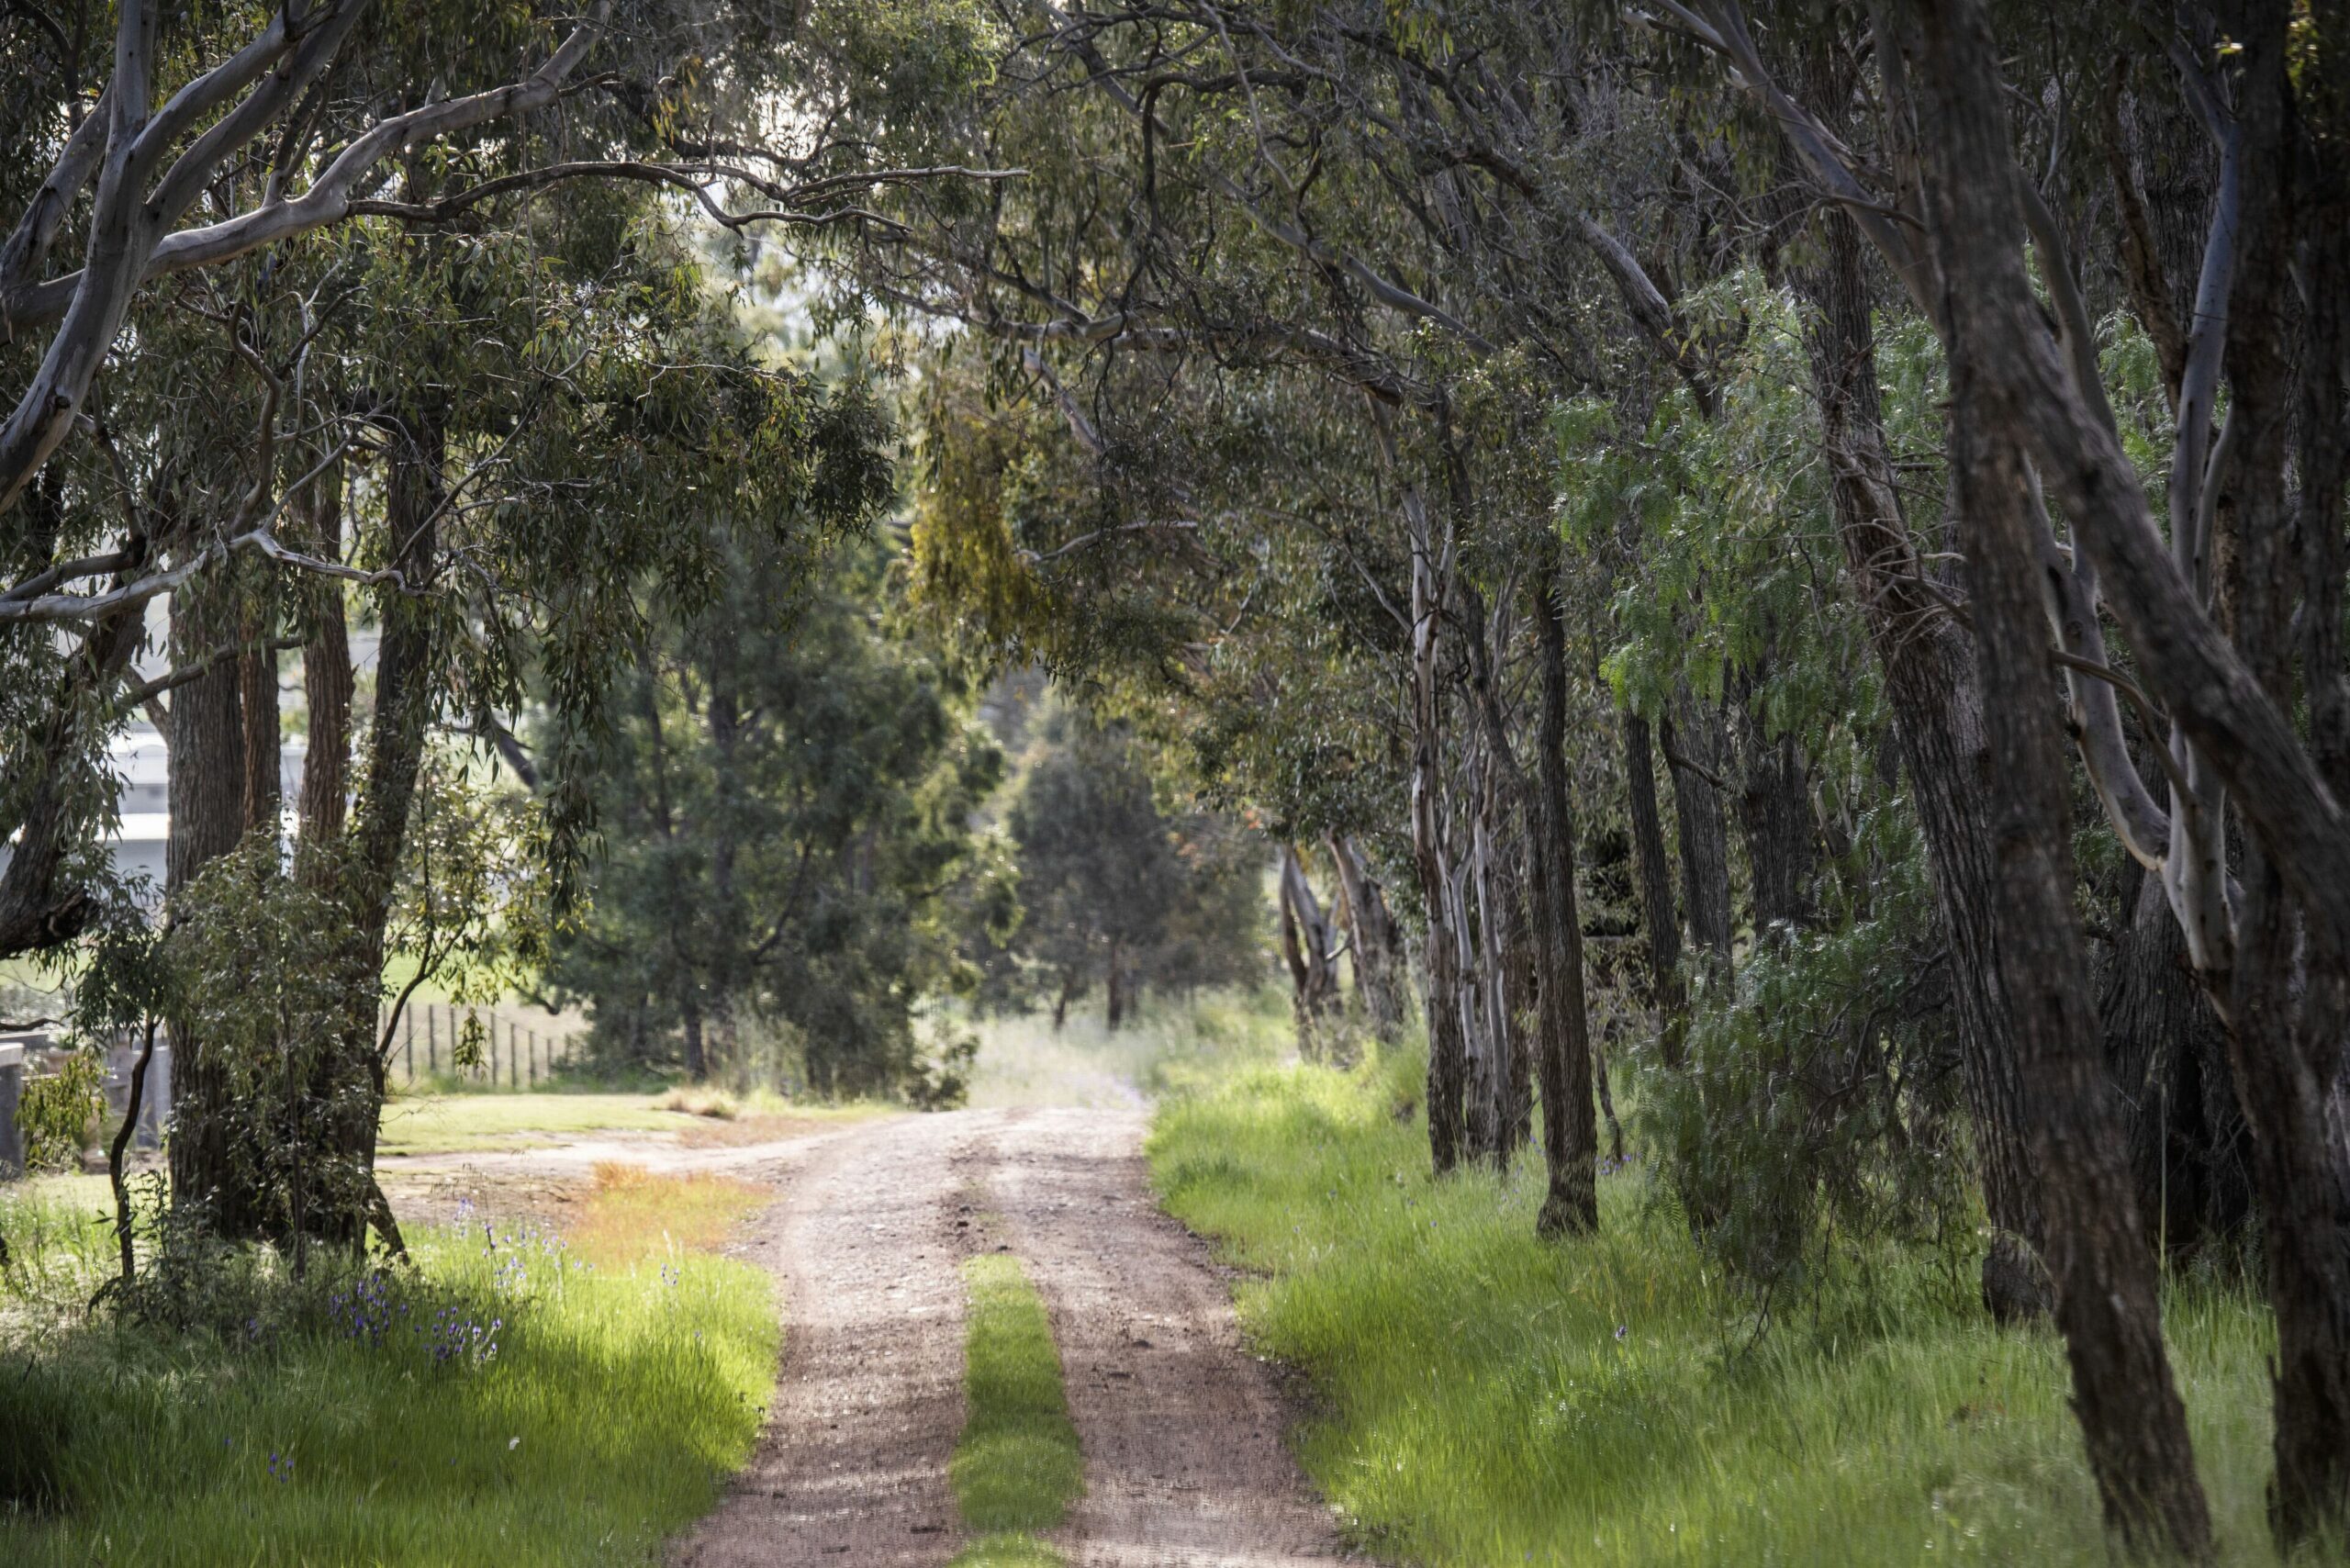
x,y
2107,1298
1570,1139
257,697
2168,1058
1927,660
1666,986
1775,818
2285,1004
408,688
697,1050
1115,983
1693,752
1508,895
327,687
2107,1301
207,808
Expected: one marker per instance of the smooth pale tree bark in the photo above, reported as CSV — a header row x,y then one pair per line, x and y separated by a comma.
x,y
2107,1302
1448,1048
1520,998
1307,950
1374,940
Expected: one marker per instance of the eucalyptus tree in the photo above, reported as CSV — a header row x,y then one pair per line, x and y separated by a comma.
x,y
378,311
2228,613
155,155
1324,220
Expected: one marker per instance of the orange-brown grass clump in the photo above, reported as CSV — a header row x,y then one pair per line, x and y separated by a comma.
x,y
633,1215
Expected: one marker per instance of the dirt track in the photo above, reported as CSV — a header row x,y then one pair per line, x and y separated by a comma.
x,y
1181,1430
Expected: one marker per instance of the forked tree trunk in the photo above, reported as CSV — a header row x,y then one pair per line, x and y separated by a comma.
x,y
2107,1302
406,696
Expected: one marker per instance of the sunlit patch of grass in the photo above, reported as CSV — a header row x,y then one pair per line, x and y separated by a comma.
x,y
480,1123
1488,1400
631,1215
615,1404
1008,1551
1017,1468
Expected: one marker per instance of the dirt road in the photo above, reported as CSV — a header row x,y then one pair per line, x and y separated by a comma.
x,y
1181,1430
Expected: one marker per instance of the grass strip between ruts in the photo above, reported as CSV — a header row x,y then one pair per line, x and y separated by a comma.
x,y
1017,1468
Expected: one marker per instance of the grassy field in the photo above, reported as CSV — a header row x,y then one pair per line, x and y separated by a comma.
x,y
1487,1400
511,1402
475,1124
1017,1468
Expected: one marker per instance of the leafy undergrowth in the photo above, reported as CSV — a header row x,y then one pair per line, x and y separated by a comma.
x,y
1487,1400
508,1402
1017,1468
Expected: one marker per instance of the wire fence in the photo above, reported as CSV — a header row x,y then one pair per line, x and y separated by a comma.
x,y
474,1045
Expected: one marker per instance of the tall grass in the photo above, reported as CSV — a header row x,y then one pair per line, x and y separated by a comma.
x,y
1489,1400
546,1411
1017,1468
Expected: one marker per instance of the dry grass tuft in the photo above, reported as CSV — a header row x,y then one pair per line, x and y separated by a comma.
x,y
703,1103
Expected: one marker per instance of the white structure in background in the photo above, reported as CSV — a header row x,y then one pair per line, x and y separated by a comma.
x,y
143,763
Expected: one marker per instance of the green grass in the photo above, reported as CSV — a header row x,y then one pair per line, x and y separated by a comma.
x,y
616,1403
1484,1399
463,1124
475,1123
1017,1468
